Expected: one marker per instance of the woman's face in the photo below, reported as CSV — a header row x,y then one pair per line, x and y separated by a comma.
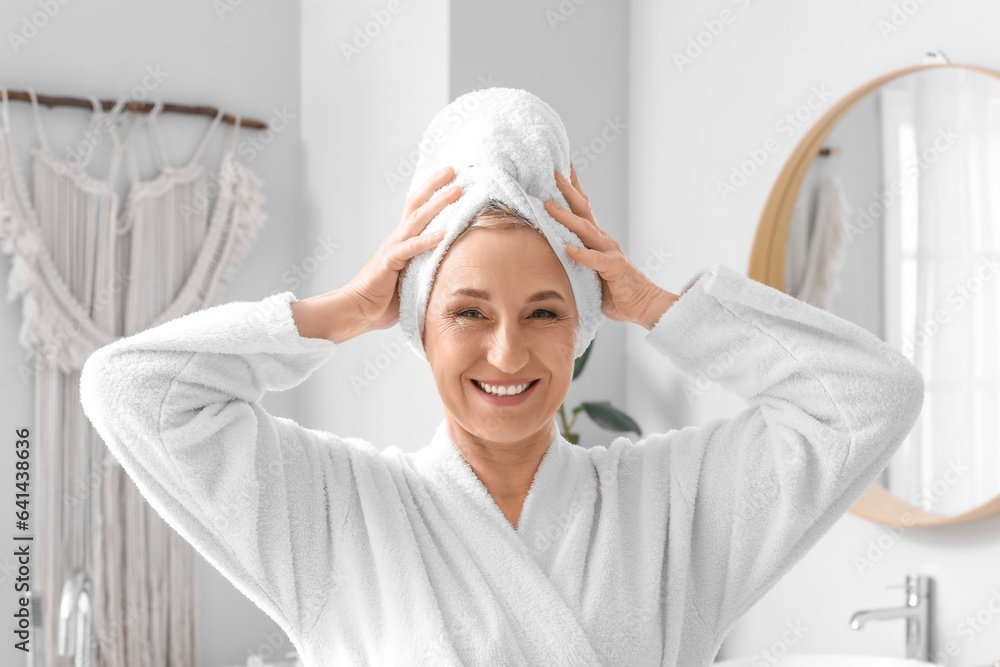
x,y
501,309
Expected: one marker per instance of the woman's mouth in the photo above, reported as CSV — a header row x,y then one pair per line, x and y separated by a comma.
x,y
510,394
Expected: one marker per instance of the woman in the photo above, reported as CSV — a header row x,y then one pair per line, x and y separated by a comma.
x,y
499,543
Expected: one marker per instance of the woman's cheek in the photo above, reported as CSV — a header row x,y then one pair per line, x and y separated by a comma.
x,y
562,338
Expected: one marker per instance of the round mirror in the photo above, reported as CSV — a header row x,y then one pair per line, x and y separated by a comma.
x,y
888,215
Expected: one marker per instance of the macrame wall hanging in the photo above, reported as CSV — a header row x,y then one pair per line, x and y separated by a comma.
x,y
89,272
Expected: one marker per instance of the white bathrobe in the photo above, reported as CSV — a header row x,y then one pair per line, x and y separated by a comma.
x,y
625,553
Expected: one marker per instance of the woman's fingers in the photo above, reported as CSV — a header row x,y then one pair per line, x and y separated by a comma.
x,y
612,266
579,204
422,217
588,231
592,258
402,252
430,186
575,180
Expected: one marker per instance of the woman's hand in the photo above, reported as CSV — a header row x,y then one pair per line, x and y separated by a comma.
x,y
374,288
627,295
371,300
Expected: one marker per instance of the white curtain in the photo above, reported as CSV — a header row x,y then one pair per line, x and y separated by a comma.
x,y
941,148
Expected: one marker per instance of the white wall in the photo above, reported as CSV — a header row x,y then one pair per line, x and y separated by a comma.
x,y
689,128
364,115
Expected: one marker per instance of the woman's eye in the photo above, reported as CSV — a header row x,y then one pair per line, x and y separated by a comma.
x,y
462,313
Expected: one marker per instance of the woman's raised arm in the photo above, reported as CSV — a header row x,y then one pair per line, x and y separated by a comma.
x,y
261,497
829,403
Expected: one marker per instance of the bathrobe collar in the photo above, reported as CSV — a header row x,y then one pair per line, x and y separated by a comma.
x,y
515,560
446,457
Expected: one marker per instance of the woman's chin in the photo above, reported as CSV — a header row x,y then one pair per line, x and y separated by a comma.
x,y
513,428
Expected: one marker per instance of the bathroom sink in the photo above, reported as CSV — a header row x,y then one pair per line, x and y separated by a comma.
x,y
823,661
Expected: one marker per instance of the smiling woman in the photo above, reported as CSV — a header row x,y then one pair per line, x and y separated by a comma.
x,y
499,542
502,314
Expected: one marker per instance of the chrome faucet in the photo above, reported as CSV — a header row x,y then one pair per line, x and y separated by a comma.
x,y
76,617
916,611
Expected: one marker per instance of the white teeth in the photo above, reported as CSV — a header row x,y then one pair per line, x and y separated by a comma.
x,y
496,390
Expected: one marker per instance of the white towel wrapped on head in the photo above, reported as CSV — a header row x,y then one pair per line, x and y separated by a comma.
x,y
505,145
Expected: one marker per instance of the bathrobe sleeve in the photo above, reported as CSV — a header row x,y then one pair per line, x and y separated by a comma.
x,y
261,497
828,405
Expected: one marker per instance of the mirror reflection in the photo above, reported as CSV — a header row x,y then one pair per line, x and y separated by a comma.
x,y
897,228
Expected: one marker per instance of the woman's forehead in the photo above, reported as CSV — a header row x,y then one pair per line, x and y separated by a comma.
x,y
493,261
471,274
518,249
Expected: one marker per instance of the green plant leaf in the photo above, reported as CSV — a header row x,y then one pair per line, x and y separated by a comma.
x,y
574,438
610,418
581,361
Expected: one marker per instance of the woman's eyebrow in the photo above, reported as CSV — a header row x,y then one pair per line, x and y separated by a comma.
x,y
482,294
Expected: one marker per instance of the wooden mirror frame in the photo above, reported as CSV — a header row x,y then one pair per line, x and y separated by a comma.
x,y
767,265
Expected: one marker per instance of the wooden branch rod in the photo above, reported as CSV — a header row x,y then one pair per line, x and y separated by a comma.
x,y
142,107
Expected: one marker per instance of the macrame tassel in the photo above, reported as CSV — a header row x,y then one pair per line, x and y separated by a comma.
x,y
245,196
85,279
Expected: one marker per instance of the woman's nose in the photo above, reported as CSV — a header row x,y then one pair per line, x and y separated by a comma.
x,y
507,351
